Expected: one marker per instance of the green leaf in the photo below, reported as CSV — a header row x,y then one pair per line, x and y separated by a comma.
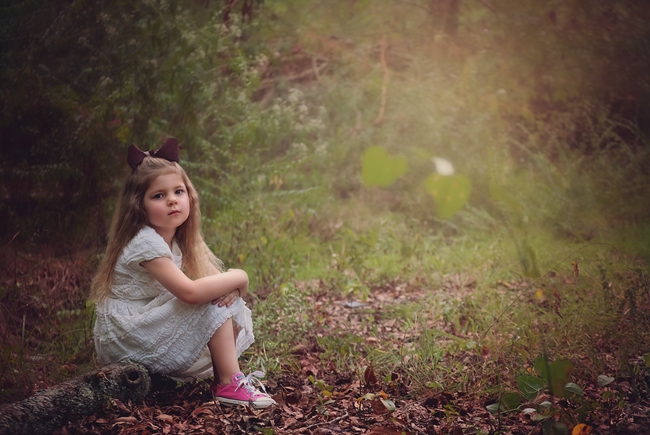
x,y
550,427
646,359
541,367
511,401
450,192
389,404
530,386
378,168
556,374
604,380
573,389
494,408
536,418
368,396
560,375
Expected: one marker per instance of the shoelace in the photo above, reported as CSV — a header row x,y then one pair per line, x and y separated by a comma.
x,y
247,381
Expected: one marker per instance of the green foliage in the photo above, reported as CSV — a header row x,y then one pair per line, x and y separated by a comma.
x,y
284,310
106,74
556,375
343,349
554,378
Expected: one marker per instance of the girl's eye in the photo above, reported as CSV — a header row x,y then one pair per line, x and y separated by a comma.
x,y
180,192
158,196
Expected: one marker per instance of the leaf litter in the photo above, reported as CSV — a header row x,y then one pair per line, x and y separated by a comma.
x,y
319,399
314,396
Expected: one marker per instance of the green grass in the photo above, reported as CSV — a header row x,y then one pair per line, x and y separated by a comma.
x,y
473,297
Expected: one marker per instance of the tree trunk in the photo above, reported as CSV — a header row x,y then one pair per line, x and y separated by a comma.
x,y
49,409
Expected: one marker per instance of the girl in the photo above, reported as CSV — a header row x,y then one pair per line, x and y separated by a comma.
x,y
161,297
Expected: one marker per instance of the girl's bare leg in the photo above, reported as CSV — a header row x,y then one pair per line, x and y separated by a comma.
x,y
223,352
236,329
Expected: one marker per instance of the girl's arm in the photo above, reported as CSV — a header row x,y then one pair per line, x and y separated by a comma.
x,y
227,299
198,291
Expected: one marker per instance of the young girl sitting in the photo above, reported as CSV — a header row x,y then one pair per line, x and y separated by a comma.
x,y
161,297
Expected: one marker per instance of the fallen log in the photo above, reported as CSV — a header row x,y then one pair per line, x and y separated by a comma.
x,y
50,409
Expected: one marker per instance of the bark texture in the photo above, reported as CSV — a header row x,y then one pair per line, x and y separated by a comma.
x,y
49,409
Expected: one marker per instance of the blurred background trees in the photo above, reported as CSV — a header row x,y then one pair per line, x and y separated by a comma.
x,y
250,87
80,79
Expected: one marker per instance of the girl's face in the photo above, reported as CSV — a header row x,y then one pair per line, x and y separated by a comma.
x,y
166,203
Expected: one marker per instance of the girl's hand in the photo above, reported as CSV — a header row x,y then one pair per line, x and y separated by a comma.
x,y
227,299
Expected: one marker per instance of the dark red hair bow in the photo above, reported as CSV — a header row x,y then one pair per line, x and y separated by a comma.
x,y
169,151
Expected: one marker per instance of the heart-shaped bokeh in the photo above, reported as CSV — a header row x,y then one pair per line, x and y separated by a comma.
x,y
378,168
450,192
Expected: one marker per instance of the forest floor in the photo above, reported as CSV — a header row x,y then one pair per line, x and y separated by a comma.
x,y
314,395
351,409
317,399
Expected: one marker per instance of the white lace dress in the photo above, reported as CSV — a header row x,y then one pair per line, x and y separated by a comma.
x,y
143,322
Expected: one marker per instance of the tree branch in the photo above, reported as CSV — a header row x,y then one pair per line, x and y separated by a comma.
x,y
49,409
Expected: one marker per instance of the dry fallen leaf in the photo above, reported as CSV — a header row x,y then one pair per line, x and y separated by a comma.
x,y
369,376
581,429
576,270
165,417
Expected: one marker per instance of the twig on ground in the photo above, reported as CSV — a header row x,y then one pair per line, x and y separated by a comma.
x,y
326,422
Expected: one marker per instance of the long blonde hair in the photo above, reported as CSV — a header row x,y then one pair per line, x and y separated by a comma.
x,y
130,217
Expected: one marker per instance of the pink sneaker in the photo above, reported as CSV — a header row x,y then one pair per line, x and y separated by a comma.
x,y
242,392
